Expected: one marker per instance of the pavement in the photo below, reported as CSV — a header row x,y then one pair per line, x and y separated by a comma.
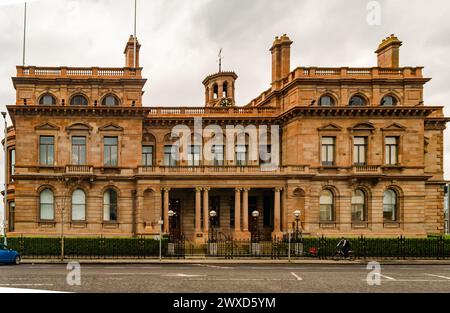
x,y
210,260
227,277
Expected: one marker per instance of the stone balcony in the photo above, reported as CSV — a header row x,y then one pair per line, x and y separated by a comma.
x,y
222,170
367,170
79,170
79,72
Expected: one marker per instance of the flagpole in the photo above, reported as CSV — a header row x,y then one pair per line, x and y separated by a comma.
x,y
24,34
135,22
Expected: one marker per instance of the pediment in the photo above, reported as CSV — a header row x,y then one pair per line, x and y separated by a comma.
x,y
47,126
79,127
394,127
363,127
111,127
330,127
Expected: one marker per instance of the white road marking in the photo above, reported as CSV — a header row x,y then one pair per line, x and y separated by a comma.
x,y
296,276
130,273
215,266
183,275
26,285
440,276
384,276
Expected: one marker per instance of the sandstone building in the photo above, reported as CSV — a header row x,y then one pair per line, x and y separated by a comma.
x,y
360,153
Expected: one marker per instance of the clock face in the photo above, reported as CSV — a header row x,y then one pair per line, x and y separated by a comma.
x,y
225,102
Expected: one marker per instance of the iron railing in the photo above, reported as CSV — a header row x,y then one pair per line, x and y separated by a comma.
x,y
229,248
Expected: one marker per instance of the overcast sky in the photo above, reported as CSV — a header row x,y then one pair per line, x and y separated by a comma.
x,y
181,38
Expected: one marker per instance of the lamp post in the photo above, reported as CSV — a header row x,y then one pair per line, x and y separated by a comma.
x,y
171,215
5,196
297,214
212,215
255,215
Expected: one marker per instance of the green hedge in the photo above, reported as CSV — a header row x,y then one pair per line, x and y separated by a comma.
x,y
99,247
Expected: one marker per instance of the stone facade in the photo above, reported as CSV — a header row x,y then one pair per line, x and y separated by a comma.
x,y
128,189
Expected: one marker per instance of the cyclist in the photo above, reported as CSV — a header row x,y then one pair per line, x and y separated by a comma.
x,y
344,247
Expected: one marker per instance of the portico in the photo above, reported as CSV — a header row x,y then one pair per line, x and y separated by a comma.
x,y
233,206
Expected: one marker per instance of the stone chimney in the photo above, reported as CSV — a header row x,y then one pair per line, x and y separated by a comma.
x,y
389,52
281,57
129,52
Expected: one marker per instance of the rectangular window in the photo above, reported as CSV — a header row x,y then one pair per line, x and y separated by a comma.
x,y
217,152
12,163
110,146
328,148
12,208
169,159
265,154
391,150
46,150
194,155
79,150
359,150
147,155
241,155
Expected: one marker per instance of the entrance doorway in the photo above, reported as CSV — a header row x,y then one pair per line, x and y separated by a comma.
x,y
175,221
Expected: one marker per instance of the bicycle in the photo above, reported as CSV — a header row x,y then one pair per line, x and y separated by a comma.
x,y
339,255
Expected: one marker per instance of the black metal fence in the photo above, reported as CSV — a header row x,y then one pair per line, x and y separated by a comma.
x,y
140,247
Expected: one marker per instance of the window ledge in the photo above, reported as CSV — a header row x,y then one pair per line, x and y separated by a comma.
x,y
360,224
327,224
47,224
391,224
110,225
78,224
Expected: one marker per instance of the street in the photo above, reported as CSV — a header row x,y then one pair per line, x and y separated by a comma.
x,y
231,278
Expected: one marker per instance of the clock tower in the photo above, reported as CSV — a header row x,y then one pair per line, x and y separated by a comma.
x,y
219,89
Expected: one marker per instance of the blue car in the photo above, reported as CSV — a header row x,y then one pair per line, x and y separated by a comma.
x,y
9,256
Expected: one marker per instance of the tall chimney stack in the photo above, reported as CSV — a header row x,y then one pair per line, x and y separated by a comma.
x,y
389,52
281,57
129,52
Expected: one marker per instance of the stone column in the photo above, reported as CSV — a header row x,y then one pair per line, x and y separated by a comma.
x,y
166,210
277,213
198,209
205,210
237,210
245,209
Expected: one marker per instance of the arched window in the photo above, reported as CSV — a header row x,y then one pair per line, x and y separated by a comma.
x,y
79,100
47,99
215,91
388,101
78,205
326,206
110,101
358,206
225,90
357,101
46,205
390,205
326,101
110,205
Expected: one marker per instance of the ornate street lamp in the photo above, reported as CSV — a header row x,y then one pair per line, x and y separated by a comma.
x,y
297,214
212,215
171,214
255,215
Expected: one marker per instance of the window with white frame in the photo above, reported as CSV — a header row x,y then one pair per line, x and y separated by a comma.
x,y
78,205
391,150
328,148
359,150
110,205
46,205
